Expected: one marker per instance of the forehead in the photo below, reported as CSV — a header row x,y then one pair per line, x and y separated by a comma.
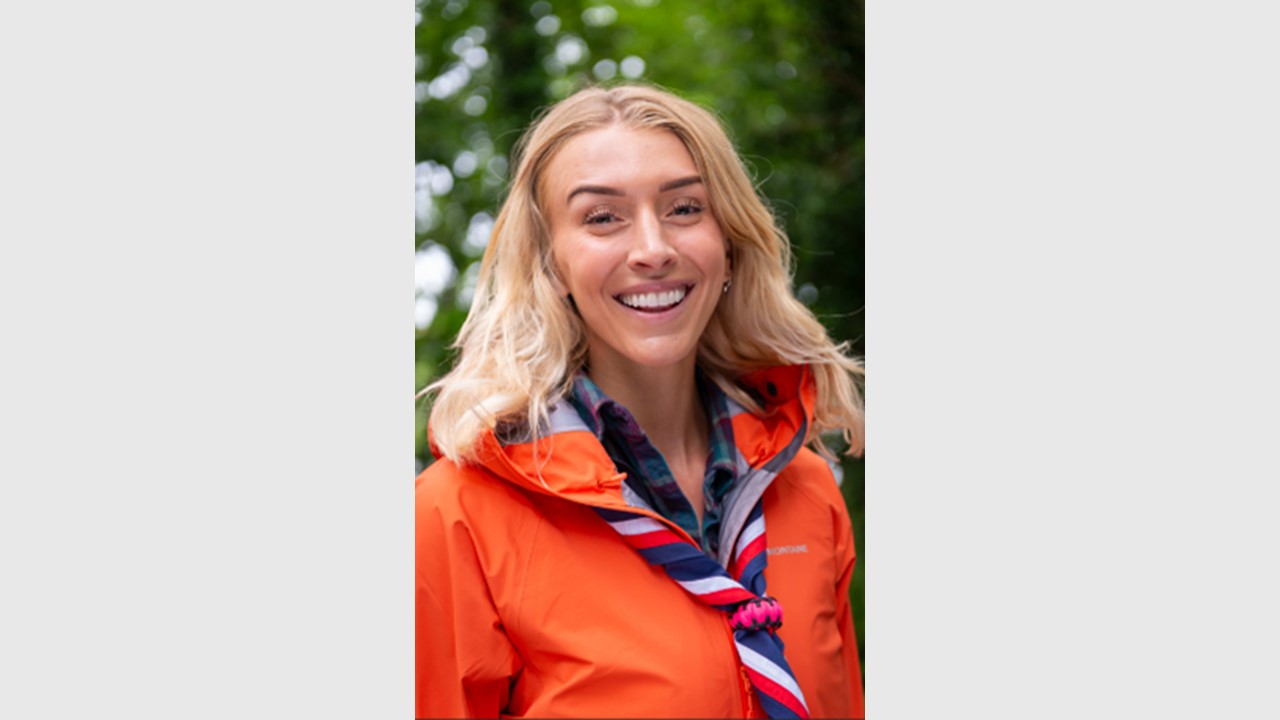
x,y
617,157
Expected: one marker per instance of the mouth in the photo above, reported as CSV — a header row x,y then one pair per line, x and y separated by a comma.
x,y
654,302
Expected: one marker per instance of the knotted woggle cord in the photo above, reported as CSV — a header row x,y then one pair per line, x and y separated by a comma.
x,y
754,616
764,613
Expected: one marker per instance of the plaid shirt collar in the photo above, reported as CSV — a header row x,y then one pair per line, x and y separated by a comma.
x,y
647,472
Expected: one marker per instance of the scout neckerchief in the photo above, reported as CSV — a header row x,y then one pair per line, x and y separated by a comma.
x,y
754,616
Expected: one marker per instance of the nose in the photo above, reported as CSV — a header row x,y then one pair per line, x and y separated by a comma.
x,y
651,249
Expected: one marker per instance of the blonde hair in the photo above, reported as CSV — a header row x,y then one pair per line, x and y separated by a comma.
x,y
521,343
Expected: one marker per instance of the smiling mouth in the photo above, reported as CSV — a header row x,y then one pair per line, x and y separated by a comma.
x,y
654,302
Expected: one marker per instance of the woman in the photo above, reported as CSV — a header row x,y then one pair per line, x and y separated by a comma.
x,y
626,420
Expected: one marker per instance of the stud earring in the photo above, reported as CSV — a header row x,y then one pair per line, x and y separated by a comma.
x,y
727,283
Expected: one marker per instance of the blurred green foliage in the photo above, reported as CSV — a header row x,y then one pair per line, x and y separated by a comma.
x,y
786,78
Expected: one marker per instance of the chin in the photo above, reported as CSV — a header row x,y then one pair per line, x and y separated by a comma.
x,y
657,355
661,360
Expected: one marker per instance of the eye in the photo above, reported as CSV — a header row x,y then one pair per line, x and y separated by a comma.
x,y
600,216
686,207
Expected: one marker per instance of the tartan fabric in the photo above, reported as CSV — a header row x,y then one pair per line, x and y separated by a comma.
x,y
647,471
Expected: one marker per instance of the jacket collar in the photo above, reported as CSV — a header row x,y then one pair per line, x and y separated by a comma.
x,y
569,462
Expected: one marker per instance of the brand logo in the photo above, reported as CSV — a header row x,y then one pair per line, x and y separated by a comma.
x,y
788,549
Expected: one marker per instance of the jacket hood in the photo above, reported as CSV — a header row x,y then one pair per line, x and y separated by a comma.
x,y
567,460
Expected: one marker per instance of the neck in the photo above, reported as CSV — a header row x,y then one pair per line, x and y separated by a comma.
x,y
665,403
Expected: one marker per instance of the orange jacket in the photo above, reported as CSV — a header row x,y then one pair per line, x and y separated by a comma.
x,y
530,605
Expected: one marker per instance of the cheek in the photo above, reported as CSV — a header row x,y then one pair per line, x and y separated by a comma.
x,y
569,268
583,276
585,265
714,256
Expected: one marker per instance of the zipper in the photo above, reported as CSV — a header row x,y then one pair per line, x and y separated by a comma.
x,y
747,691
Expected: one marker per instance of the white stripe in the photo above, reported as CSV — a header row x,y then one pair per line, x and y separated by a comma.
x,y
637,526
633,498
749,534
738,505
709,585
765,667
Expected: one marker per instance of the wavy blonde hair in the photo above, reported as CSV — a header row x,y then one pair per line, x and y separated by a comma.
x,y
522,344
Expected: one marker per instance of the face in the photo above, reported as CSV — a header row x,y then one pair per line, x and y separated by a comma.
x,y
636,245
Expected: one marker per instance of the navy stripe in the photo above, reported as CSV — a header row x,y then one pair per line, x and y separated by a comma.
x,y
695,568
753,574
617,515
773,708
663,554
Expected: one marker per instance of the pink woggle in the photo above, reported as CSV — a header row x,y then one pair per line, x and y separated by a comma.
x,y
757,614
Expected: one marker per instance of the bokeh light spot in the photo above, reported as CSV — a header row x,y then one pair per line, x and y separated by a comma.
x,y
474,105
547,25
605,69
571,50
464,166
632,66
599,16
433,270
478,231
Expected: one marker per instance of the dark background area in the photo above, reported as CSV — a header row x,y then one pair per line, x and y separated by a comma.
x,y
786,79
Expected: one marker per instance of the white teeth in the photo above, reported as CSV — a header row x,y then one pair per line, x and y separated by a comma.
x,y
653,300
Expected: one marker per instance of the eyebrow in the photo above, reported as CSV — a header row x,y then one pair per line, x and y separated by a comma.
x,y
605,190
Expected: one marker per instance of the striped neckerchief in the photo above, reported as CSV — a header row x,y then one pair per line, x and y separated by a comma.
x,y
648,474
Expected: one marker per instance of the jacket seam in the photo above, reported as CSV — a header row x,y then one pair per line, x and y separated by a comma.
x,y
523,577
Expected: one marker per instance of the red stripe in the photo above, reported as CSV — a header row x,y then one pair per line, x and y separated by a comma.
x,y
726,596
777,692
749,553
653,538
